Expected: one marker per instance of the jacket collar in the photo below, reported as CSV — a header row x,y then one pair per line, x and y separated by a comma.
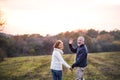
x,y
81,45
61,51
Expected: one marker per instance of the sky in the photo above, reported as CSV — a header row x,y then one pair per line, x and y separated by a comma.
x,y
55,16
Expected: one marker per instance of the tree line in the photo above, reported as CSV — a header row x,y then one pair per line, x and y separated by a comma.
x,y
36,44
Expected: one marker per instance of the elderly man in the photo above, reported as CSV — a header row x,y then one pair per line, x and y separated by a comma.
x,y
81,57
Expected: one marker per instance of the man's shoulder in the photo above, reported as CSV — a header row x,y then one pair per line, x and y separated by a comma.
x,y
85,48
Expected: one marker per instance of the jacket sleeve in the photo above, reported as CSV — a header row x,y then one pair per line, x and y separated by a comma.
x,y
60,58
74,50
82,55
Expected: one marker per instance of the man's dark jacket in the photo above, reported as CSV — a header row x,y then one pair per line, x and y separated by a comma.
x,y
81,55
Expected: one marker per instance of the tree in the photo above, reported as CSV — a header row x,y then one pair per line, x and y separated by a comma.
x,y
103,32
105,38
92,33
2,21
3,44
116,34
105,41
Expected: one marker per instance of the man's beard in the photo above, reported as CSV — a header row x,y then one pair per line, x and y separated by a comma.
x,y
78,44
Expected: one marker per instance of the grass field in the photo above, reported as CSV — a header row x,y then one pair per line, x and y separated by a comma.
x,y
101,66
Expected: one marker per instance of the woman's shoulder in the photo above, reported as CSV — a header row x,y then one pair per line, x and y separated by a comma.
x,y
56,52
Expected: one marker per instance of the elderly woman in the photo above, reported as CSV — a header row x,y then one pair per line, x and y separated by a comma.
x,y
57,61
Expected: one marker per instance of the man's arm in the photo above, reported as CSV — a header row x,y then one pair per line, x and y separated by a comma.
x,y
74,50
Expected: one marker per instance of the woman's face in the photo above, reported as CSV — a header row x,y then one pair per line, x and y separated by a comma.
x,y
60,46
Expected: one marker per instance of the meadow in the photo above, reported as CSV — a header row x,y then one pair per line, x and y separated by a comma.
x,y
101,66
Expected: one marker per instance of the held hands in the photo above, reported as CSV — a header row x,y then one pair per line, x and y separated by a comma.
x,y
71,68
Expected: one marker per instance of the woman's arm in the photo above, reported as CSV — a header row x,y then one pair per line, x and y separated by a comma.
x,y
60,58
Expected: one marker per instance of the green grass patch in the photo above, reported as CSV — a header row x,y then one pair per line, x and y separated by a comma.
x,y
101,66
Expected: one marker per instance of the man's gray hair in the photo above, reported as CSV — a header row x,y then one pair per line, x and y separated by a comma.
x,y
82,38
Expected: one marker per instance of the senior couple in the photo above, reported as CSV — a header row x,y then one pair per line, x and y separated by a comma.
x,y
80,62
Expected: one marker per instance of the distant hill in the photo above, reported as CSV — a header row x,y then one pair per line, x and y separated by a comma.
x,y
36,44
102,66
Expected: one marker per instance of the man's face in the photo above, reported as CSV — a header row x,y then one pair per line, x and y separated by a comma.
x,y
80,41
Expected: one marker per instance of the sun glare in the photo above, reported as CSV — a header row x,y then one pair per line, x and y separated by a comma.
x,y
53,18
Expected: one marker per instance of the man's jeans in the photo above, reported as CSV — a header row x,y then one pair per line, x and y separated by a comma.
x,y
79,73
56,74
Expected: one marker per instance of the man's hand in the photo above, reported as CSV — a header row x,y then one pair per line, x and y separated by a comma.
x,y
73,66
70,41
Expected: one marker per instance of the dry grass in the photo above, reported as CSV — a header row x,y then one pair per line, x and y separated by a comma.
x,y
101,66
